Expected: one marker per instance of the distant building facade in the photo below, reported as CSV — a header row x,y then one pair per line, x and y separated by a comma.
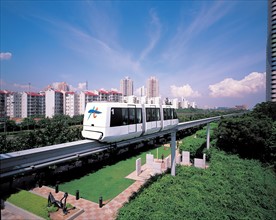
x,y
3,104
32,104
103,95
70,104
56,99
54,103
126,86
271,52
152,87
14,105
114,96
84,98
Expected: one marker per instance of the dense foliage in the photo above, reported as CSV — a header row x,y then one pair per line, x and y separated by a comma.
x,y
196,143
252,135
31,123
55,131
231,188
190,114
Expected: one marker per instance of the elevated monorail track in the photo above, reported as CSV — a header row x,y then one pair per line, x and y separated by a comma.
x,y
33,159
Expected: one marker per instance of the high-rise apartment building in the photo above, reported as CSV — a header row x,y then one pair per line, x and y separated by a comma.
x,y
14,105
32,104
3,104
84,98
271,52
152,87
70,104
54,103
115,96
103,95
126,86
141,91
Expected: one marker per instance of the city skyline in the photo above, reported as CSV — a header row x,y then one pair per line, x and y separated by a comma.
x,y
211,52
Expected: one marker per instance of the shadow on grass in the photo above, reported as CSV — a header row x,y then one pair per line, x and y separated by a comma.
x,y
110,158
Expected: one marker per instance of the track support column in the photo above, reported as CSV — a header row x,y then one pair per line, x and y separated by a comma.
x,y
208,136
173,148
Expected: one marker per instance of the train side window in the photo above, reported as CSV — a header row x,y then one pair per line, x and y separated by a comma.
x,y
153,114
165,113
116,117
139,118
131,116
158,118
148,114
169,113
174,114
124,116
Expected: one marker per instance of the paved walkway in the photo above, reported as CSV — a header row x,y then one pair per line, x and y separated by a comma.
x,y
7,214
90,210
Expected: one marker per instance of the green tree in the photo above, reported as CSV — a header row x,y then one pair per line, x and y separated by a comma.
x,y
28,123
246,136
11,125
267,109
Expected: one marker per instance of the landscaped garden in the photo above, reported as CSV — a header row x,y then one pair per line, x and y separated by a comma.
x,y
109,181
31,202
231,188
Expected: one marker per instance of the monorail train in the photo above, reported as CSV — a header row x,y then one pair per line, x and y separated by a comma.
x,y
114,122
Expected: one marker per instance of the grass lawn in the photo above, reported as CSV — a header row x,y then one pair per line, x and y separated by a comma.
x,y
109,181
30,202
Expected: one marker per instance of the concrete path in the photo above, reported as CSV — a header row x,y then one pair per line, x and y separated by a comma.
x,y
90,210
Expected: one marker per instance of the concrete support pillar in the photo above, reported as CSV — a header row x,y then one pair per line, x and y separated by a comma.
x,y
208,136
173,148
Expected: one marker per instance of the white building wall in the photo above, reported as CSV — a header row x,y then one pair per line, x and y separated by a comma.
x,y
154,100
24,105
126,86
14,105
152,87
82,102
193,104
84,98
184,103
175,103
50,103
70,104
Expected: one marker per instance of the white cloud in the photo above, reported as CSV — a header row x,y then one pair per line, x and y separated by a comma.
x,y
5,56
184,91
229,87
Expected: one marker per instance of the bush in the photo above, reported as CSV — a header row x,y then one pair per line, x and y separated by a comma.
x,y
232,188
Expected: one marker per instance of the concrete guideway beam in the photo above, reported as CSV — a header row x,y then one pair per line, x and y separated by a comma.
x,y
208,136
27,160
173,148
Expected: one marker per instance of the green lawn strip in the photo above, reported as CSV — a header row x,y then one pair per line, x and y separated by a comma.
x,y
33,203
109,181
30,202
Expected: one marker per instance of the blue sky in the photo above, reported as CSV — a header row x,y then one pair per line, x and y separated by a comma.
x,y
211,52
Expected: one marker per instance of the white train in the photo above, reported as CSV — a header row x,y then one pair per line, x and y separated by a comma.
x,y
113,122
